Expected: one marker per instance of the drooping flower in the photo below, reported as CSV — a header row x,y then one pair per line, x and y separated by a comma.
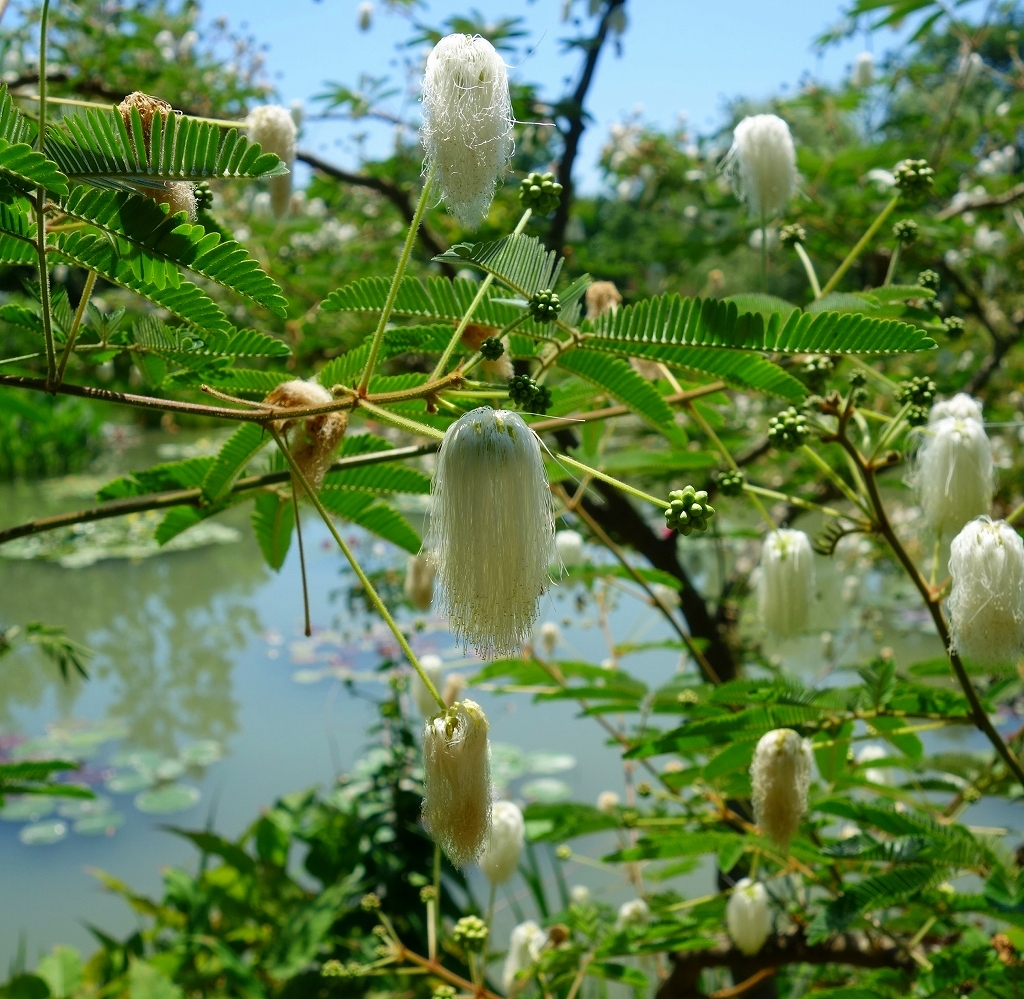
x,y
501,854
762,164
962,406
467,123
954,471
633,913
454,685
364,15
457,781
273,127
781,775
424,700
785,587
602,297
986,604
491,530
419,582
747,916
550,636
569,545
607,802
580,894
864,70
312,440
524,947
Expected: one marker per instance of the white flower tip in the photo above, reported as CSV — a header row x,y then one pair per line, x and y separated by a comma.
x,y
781,774
953,470
747,916
501,854
569,545
273,127
785,585
762,164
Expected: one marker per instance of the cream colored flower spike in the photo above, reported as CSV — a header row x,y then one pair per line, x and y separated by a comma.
x,y
273,127
781,775
762,164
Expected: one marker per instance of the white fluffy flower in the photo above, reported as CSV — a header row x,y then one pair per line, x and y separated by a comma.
x,y
178,195
747,917
467,123
954,473
785,586
425,702
419,582
962,406
569,545
273,127
524,947
501,855
454,685
762,164
986,604
607,802
550,636
457,781
491,529
864,70
580,894
781,774
364,16
632,913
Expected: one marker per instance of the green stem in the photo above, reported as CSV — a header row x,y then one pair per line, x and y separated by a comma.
x,y
44,272
477,299
795,500
835,478
764,253
396,281
890,432
617,483
935,559
490,907
894,262
411,426
861,244
1016,515
809,270
90,281
375,599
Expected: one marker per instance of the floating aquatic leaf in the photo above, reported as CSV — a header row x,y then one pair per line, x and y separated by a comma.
x,y
202,753
169,770
506,763
130,782
30,808
105,823
80,808
306,676
549,763
164,800
138,759
41,749
547,791
43,833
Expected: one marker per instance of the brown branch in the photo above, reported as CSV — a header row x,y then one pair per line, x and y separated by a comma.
x,y
974,202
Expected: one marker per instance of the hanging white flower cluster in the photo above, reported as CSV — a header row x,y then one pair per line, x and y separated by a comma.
x,y
273,127
457,781
747,916
423,698
636,912
569,545
781,775
313,440
550,636
467,123
986,603
954,465
864,70
419,582
762,164
501,855
785,586
524,947
491,533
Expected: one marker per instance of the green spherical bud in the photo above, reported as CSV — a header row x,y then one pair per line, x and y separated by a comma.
x,y
333,969
492,348
788,430
563,851
914,178
920,391
545,306
444,992
906,231
929,279
471,933
858,379
204,196
917,416
370,902
528,395
730,483
644,789
790,235
541,192
954,327
817,371
688,510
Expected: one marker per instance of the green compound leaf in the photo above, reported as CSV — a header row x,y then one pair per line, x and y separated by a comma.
x,y
621,381
273,518
521,262
377,517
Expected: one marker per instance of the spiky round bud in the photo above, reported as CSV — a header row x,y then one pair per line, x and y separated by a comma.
x,y
917,416
524,948
563,851
204,196
954,473
444,992
954,327
457,781
858,379
528,395
730,482
986,603
333,969
762,164
428,893
929,279
920,391
314,439
780,775
962,406
785,586
790,235
545,307
273,127
370,902
747,916
688,510
424,699
541,192
491,530
817,371
788,430
569,545
504,844
467,123
906,231
419,582
471,933
914,178
644,789
492,348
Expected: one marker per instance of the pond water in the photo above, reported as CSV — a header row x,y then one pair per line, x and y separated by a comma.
x,y
205,701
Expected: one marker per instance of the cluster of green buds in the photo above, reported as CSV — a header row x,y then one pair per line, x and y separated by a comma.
x,y
563,851
528,395
204,196
688,510
906,231
858,387
929,279
954,327
545,306
788,430
790,235
914,177
444,992
730,482
428,893
335,969
920,393
370,902
817,371
541,192
470,933
492,348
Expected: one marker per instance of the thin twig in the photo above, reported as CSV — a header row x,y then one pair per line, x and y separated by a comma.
x,y
302,558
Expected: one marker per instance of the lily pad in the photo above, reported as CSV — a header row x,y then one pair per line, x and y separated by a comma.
x,y
506,763
138,759
43,833
129,782
164,800
80,808
549,763
547,791
202,753
169,770
30,808
104,823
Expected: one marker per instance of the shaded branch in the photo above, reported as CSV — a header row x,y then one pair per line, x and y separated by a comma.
x,y
973,202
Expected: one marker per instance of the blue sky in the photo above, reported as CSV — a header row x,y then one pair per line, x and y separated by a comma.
x,y
677,56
